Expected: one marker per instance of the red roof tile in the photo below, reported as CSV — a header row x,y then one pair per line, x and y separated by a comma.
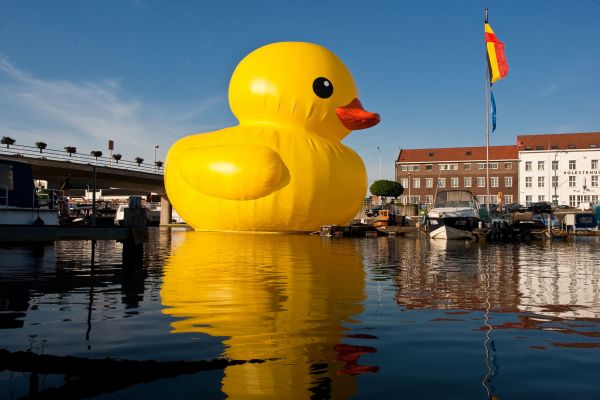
x,y
562,141
457,154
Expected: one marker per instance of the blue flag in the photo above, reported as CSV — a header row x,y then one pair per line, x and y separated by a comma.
x,y
493,110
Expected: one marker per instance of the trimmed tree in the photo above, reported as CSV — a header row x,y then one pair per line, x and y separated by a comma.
x,y
139,161
7,141
96,154
41,146
386,189
71,150
117,157
159,164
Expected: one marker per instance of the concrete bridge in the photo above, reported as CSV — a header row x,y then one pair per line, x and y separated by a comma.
x,y
59,167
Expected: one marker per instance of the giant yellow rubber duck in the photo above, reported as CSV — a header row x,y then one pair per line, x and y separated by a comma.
x,y
283,168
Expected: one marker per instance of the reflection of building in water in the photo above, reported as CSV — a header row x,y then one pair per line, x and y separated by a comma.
x,y
286,297
550,279
560,284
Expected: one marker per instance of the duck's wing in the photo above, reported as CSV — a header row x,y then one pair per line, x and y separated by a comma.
x,y
233,171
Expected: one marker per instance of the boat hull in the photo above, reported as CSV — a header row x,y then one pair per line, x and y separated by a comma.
x,y
452,228
28,216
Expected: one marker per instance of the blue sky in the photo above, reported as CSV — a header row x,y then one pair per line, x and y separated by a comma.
x,y
146,72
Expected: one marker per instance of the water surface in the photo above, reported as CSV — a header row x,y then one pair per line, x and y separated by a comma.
x,y
328,318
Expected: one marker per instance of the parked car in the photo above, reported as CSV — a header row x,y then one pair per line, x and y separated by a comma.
x,y
373,212
563,206
540,207
515,207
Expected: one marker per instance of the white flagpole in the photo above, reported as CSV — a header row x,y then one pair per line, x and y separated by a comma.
x,y
487,126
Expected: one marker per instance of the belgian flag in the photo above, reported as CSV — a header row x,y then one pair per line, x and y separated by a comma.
x,y
495,55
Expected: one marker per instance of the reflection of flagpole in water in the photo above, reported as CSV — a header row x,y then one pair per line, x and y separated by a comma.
x,y
488,344
91,297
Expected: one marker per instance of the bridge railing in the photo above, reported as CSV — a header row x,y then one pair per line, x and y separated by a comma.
x,y
79,158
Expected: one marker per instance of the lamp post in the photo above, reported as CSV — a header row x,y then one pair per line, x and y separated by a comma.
x,y
409,188
155,148
379,162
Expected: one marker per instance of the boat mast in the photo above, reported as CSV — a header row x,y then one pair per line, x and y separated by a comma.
x,y
487,125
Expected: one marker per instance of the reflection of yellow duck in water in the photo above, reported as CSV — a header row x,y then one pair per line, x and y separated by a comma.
x,y
289,297
283,168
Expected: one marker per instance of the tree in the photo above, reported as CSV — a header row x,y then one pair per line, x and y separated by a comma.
x,y
71,150
159,164
386,188
41,146
139,161
96,153
117,157
7,141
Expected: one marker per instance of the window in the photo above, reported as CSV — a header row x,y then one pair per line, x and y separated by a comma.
x,y
541,197
572,164
468,181
428,199
555,181
555,165
508,181
404,168
454,182
594,164
448,167
507,165
480,181
494,181
429,182
442,182
594,180
528,181
528,166
428,167
571,146
528,200
540,181
416,183
481,165
467,166
493,199
540,165
508,199
481,199
572,181
493,165
404,182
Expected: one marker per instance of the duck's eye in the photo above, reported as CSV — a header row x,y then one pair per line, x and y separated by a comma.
x,y
323,87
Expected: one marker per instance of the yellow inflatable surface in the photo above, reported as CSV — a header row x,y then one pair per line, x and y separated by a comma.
x,y
292,299
283,168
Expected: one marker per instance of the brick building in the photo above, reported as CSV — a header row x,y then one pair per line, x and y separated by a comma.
x,y
423,171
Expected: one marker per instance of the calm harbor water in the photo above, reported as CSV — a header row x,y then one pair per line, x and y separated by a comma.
x,y
330,318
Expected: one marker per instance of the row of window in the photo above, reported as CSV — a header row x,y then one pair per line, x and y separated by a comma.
x,y
574,200
454,182
507,199
572,165
541,180
494,165
452,166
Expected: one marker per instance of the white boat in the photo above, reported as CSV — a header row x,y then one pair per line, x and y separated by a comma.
x,y
455,214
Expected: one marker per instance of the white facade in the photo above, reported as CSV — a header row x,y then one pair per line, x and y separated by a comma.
x,y
565,177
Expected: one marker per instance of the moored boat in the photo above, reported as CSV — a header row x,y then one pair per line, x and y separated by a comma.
x,y
455,214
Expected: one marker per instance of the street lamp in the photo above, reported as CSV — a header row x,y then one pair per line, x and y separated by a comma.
x,y
155,148
379,162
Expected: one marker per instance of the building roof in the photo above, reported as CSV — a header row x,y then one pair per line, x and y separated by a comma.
x,y
559,141
454,154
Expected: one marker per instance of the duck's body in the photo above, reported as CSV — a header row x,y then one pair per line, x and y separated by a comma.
x,y
284,167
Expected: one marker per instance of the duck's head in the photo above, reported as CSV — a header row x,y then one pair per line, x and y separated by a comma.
x,y
298,84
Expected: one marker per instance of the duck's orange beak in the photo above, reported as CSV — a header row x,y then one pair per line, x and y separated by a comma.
x,y
355,117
